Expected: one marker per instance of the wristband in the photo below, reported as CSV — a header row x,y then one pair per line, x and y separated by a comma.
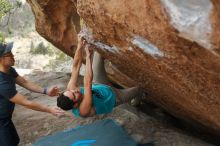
x,y
45,91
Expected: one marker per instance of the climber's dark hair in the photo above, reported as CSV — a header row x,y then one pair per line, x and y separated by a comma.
x,y
64,102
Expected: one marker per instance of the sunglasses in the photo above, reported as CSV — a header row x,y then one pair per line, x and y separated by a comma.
x,y
62,93
74,96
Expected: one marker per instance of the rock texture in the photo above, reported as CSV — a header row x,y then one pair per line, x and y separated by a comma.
x,y
171,48
32,125
58,22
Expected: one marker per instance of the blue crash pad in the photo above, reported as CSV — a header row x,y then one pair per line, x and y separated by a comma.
x,y
101,133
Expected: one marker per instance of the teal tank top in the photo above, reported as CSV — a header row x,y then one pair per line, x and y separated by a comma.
x,y
103,98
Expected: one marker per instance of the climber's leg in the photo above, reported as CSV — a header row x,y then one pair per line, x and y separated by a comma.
x,y
99,73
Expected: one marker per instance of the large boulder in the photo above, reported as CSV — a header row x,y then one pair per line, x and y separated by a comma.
x,y
169,47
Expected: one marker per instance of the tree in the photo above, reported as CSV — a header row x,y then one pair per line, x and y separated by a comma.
x,y
7,8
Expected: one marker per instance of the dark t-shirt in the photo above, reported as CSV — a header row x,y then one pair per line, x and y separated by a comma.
x,y
7,91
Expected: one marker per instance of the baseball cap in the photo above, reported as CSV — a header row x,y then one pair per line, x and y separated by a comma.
x,y
5,48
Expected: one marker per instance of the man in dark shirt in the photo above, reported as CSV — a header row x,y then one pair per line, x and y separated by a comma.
x,y
9,96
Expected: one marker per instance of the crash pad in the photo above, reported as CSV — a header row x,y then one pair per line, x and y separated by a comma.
x,y
100,133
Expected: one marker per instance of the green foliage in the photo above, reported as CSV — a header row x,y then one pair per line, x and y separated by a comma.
x,y
5,7
60,59
2,38
41,49
18,4
9,31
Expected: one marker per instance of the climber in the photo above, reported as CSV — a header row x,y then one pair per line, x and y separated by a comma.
x,y
96,97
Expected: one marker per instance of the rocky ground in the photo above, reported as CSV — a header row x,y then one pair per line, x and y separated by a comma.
x,y
32,125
